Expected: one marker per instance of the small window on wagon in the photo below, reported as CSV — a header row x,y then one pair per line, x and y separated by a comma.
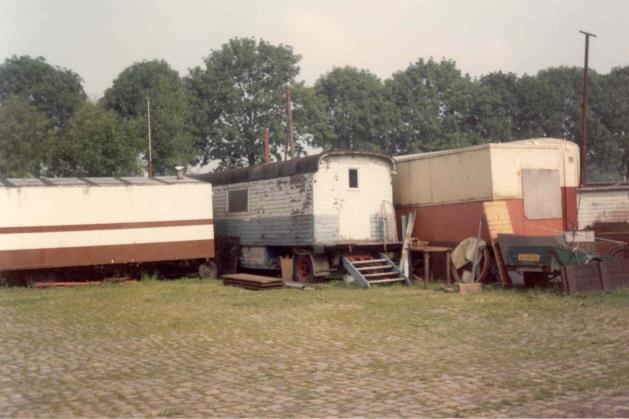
x,y
237,201
353,178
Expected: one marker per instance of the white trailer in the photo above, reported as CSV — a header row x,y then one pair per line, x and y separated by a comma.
x,y
73,222
313,208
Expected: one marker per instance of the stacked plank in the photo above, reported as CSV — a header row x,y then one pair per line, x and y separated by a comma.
x,y
498,222
252,282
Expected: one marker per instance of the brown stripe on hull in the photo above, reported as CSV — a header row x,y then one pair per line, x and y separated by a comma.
x,y
107,226
103,255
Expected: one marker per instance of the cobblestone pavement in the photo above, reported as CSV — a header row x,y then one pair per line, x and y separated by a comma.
x,y
192,348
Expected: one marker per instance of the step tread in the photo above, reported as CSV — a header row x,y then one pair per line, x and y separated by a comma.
x,y
373,268
383,281
380,274
366,261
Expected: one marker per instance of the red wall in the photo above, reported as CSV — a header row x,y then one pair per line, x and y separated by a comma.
x,y
455,222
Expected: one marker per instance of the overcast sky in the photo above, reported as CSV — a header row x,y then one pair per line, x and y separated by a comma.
x,y
99,38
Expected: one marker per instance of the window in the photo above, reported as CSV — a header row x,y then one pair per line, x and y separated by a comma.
x,y
353,178
238,200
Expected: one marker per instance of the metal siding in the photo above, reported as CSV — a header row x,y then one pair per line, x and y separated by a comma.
x,y
280,212
444,178
489,171
122,218
602,206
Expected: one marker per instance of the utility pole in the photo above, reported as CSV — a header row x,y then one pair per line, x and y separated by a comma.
x,y
267,151
148,119
289,111
584,115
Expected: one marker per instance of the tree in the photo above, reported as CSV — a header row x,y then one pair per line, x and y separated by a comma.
x,y
356,108
25,139
495,107
434,104
171,137
611,104
97,142
53,90
240,92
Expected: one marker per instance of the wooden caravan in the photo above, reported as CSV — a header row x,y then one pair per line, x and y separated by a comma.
x,y
72,222
314,208
536,178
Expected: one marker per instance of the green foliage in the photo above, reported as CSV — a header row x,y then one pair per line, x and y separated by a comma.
x,y
495,107
97,142
356,110
55,91
25,138
240,92
434,102
172,141
612,107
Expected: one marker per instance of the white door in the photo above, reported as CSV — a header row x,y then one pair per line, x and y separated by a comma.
x,y
354,217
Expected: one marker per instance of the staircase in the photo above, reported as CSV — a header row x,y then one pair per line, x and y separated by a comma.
x,y
367,270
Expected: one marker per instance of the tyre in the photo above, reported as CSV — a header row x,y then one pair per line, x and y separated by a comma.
x,y
207,270
303,271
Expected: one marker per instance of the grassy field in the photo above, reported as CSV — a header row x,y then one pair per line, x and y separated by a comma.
x,y
198,348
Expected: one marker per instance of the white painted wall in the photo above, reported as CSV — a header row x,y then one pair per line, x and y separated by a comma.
x,y
76,205
484,172
356,210
509,159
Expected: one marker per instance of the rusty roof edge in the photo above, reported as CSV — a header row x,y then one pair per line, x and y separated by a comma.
x,y
284,168
384,157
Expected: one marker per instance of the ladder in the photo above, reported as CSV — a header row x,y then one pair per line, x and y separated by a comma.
x,y
367,270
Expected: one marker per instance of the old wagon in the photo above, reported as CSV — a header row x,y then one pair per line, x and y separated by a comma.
x,y
313,209
536,178
77,222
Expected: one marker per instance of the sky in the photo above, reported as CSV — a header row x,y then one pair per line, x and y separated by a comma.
x,y
100,38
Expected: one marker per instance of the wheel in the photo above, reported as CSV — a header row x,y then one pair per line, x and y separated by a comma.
x,y
207,270
302,271
482,269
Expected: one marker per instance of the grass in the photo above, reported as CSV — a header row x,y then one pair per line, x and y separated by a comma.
x,y
512,347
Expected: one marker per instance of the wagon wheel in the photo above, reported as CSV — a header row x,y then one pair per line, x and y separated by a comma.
x,y
484,268
303,270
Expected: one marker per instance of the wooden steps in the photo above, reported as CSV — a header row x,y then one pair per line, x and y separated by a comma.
x,y
367,270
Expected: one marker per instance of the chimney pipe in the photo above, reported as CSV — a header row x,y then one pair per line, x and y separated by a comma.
x,y
179,170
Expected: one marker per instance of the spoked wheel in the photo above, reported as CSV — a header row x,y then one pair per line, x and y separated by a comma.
x,y
482,269
303,271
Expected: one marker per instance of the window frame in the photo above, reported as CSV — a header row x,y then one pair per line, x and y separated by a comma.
x,y
228,209
349,179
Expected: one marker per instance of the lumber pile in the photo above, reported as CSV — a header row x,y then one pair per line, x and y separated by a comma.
x,y
252,282
498,222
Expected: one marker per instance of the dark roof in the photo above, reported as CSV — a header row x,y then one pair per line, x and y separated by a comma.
x,y
94,181
307,164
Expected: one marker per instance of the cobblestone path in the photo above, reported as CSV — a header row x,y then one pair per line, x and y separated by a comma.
x,y
192,348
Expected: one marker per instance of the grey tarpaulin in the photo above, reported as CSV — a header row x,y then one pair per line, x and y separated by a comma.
x,y
464,252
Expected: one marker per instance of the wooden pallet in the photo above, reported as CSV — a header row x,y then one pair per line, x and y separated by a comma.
x,y
498,222
252,282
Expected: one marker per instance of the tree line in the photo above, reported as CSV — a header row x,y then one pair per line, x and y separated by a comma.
x,y
219,110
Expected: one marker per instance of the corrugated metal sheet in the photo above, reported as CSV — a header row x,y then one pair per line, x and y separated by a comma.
x,y
602,204
93,181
